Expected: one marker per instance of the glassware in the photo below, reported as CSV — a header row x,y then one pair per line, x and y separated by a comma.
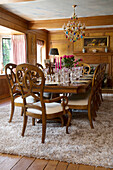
x,y
73,74
48,78
80,71
52,77
45,72
56,75
66,72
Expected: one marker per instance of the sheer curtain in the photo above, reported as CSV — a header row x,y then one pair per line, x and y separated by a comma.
x,y
40,52
19,49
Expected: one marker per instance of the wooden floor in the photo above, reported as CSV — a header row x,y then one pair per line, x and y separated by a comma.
x,y
14,162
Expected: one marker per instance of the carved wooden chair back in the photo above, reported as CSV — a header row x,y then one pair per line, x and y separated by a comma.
x,y
10,70
39,65
102,73
30,77
33,81
94,96
86,68
15,93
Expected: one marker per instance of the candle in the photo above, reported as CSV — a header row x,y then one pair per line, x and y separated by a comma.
x,y
60,62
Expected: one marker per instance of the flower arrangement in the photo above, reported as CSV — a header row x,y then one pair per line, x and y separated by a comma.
x,y
69,61
76,62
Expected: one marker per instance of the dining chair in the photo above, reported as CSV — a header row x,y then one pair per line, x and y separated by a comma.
x,y
39,65
87,101
46,95
102,72
15,93
86,68
44,109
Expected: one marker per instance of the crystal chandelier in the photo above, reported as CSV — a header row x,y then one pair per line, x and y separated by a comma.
x,y
74,30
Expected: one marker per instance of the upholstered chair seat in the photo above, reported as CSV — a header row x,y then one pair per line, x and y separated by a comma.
x,y
51,108
79,99
19,100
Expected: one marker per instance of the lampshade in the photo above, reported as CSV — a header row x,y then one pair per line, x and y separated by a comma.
x,y
53,51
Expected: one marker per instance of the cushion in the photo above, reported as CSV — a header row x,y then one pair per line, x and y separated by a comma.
x,y
79,99
29,99
51,108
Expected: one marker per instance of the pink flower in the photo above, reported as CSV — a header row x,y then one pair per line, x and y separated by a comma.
x,y
71,56
75,60
67,56
75,65
64,56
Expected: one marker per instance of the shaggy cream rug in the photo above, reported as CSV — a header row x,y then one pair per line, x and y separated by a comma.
x,y
83,145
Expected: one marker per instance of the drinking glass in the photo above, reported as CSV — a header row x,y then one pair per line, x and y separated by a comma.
x,y
66,72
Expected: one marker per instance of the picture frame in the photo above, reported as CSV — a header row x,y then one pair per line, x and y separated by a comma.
x,y
102,41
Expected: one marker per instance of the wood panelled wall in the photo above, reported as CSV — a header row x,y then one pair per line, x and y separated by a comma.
x,y
57,39
32,37
13,21
4,88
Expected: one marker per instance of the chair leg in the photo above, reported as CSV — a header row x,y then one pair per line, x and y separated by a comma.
x,y
62,121
24,124
43,130
69,120
22,111
33,121
90,119
12,110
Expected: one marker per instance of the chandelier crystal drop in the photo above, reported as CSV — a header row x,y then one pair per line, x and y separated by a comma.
x,y
74,30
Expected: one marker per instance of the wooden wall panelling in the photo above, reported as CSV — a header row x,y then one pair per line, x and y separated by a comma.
x,y
43,35
112,65
4,88
96,58
13,21
31,48
57,40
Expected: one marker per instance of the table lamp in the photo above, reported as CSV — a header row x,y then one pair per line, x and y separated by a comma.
x,y
53,52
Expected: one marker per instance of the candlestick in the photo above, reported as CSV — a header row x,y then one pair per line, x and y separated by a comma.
x,y
58,62
55,64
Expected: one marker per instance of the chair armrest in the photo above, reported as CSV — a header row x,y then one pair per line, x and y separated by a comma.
x,y
63,98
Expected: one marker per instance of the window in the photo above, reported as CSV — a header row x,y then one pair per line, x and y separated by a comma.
x,y
40,52
6,50
12,49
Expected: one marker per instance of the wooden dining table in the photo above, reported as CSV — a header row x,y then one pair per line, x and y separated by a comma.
x,y
79,86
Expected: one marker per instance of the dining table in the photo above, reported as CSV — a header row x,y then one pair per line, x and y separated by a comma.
x,y
78,86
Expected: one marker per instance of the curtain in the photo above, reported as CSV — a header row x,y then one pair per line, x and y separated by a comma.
x,y
19,49
40,42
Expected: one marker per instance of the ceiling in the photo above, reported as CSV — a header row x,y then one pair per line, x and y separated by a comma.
x,y
57,9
